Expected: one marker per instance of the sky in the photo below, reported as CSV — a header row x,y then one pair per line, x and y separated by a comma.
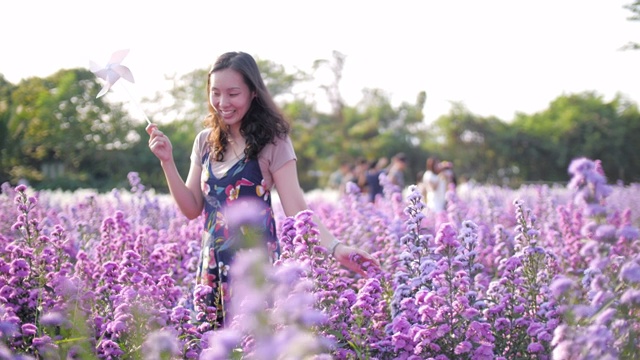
x,y
497,57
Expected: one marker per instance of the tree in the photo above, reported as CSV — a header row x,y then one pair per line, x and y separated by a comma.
x,y
479,147
635,9
57,126
6,88
332,90
581,125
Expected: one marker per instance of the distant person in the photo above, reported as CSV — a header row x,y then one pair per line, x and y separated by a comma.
x,y
242,154
435,186
360,173
465,186
420,185
446,171
349,176
335,179
373,178
448,177
397,169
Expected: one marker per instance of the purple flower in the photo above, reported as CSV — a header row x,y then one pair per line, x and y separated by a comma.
x,y
533,329
563,350
594,210
629,232
29,329
630,272
219,344
581,166
135,182
161,345
20,268
116,327
606,316
484,351
5,353
560,286
352,188
583,311
52,319
462,348
502,324
110,349
605,233
631,297
39,342
535,347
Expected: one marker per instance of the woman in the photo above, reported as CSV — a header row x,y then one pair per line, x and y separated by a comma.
x,y
435,186
242,154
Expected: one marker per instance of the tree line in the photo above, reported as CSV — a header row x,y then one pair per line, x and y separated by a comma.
x,y
55,134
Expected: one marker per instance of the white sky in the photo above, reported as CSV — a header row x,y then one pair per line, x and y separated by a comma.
x,y
498,57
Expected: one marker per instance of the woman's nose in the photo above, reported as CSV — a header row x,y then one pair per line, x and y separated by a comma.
x,y
225,100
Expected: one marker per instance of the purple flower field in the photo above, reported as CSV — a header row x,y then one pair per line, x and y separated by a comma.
x,y
541,272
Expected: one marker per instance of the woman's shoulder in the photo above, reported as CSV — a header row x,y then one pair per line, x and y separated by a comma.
x,y
200,142
202,134
278,151
278,143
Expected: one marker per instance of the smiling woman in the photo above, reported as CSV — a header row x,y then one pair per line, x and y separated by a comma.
x,y
243,153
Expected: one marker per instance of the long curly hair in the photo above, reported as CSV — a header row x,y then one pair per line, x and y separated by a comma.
x,y
262,124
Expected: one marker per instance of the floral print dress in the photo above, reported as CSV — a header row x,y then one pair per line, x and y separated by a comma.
x,y
237,208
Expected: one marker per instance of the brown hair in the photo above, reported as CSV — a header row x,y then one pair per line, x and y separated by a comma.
x,y
262,124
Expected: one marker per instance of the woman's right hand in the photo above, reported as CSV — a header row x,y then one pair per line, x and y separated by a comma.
x,y
356,260
159,143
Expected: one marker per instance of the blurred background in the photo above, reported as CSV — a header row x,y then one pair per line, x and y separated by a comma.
x,y
508,92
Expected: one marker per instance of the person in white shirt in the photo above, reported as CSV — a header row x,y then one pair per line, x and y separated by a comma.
x,y
435,186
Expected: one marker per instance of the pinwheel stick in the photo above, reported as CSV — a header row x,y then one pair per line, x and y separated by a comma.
x,y
137,104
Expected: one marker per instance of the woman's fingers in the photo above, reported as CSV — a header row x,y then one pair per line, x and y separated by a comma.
x,y
150,128
357,260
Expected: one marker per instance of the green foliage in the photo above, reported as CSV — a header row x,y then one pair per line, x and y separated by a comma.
x,y
56,134
59,132
538,147
6,88
579,125
634,7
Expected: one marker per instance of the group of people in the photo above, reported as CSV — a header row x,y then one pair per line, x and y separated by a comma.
x,y
366,175
436,180
433,183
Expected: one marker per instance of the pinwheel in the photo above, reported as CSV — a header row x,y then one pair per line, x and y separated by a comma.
x,y
112,72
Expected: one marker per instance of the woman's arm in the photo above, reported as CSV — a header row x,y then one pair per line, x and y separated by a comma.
x,y
187,195
292,199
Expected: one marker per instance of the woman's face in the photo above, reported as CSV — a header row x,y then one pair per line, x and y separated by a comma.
x,y
230,96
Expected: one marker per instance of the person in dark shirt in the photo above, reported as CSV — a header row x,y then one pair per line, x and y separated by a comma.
x,y
373,177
